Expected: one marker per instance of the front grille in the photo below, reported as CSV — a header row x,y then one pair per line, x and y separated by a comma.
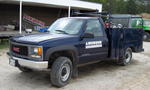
x,y
19,49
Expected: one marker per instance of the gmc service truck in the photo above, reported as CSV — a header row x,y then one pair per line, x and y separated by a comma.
x,y
71,42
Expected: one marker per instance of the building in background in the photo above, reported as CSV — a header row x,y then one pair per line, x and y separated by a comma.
x,y
39,13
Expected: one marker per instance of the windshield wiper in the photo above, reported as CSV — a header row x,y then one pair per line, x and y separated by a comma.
x,y
62,31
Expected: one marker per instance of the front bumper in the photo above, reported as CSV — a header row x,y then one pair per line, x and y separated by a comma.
x,y
38,65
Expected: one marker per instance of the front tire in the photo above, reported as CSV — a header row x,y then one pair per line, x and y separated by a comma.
x,y
127,57
61,72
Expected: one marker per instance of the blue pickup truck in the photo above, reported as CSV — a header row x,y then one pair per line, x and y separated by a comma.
x,y
72,42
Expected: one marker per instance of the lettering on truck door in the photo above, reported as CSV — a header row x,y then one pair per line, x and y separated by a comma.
x,y
93,48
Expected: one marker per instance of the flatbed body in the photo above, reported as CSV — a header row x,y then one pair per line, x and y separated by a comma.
x,y
120,39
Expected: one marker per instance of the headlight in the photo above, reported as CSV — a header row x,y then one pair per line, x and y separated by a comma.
x,y
36,52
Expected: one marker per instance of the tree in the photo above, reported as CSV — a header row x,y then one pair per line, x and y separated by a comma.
x,y
148,8
121,7
124,6
131,7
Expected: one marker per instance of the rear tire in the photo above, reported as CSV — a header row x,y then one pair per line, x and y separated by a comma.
x,y
127,57
146,36
61,72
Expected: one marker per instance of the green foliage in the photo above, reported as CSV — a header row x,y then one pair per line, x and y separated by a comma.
x,y
124,6
4,44
131,7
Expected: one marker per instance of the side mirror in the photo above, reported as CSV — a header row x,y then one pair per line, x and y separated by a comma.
x,y
87,35
28,30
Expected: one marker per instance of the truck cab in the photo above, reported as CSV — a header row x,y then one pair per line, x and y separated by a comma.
x,y
71,42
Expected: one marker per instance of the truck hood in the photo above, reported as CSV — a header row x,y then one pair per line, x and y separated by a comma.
x,y
36,38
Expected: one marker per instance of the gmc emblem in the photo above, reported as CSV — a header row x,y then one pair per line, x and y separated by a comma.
x,y
16,49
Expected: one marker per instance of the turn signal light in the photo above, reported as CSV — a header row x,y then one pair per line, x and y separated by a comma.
x,y
40,51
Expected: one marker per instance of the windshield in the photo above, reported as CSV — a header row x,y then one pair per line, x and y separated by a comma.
x,y
66,26
146,22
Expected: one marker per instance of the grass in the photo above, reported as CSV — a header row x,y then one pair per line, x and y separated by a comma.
x,y
4,44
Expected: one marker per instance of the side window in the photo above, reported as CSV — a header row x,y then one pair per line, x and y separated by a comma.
x,y
136,23
122,21
94,27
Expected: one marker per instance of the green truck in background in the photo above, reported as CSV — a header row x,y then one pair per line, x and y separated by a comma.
x,y
131,21
137,23
146,26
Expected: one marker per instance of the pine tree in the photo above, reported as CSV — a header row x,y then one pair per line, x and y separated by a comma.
x,y
131,7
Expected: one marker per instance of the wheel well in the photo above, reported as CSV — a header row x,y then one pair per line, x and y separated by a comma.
x,y
132,48
148,31
65,53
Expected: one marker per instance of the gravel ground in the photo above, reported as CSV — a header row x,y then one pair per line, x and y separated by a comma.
x,y
100,76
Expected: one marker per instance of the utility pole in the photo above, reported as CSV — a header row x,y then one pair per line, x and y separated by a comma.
x,y
69,11
20,18
69,8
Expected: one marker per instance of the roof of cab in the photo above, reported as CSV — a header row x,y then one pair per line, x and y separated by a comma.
x,y
83,17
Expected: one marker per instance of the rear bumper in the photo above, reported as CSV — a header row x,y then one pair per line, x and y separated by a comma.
x,y
38,65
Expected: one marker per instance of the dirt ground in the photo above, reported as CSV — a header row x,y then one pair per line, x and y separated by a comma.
x,y
100,76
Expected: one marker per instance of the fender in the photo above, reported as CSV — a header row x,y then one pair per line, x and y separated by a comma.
x,y
59,48
62,48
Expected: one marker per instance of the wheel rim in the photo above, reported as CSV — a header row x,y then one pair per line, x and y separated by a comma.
x,y
145,37
65,72
127,57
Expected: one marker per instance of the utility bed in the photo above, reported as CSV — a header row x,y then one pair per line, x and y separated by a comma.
x,y
122,38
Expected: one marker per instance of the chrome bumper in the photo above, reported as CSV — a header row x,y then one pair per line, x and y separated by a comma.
x,y
38,65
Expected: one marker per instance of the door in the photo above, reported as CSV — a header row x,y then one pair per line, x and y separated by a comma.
x,y
93,49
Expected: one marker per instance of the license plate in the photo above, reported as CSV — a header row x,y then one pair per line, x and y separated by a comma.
x,y
12,62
